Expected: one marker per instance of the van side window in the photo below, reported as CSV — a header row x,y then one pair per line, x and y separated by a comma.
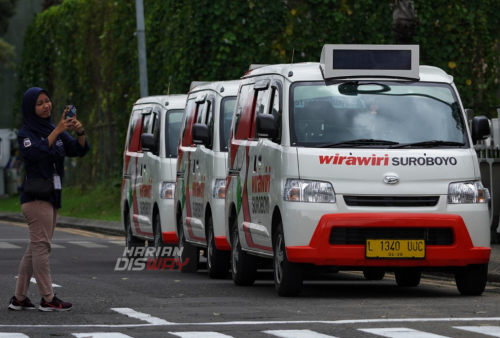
x,y
200,111
173,120
244,112
156,131
276,110
135,130
226,116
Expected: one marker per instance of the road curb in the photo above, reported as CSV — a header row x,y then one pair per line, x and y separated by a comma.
x,y
103,227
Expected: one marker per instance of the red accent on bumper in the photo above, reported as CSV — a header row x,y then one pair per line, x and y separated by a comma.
x,y
170,237
321,252
221,243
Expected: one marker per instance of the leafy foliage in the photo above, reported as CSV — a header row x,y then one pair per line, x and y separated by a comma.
x,y
84,52
7,10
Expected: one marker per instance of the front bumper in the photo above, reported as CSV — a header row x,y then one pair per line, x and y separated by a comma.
x,y
321,252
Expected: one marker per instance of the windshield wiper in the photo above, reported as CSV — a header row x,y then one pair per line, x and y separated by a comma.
x,y
430,144
361,141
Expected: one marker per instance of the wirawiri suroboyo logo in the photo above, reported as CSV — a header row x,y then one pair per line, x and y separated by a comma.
x,y
385,160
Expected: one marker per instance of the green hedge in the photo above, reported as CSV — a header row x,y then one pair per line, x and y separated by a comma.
x,y
85,52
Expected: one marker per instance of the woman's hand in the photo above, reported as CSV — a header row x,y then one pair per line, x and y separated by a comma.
x,y
77,126
64,125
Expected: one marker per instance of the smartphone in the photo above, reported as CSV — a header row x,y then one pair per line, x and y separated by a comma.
x,y
69,112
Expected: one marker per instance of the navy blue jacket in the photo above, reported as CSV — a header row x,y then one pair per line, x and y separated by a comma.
x,y
39,159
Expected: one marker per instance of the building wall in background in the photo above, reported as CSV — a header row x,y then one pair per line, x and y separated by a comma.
x,y
25,13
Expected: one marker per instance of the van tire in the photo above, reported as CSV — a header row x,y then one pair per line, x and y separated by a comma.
x,y
243,265
189,254
408,277
217,260
471,280
374,274
131,242
288,276
158,237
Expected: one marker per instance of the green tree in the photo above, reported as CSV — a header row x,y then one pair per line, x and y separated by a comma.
x,y
7,10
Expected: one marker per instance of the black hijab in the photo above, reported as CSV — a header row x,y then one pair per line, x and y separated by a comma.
x,y
41,126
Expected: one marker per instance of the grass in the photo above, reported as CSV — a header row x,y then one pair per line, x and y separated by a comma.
x,y
102,203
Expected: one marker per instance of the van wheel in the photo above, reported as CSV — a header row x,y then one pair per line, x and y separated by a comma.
x,y
189,253
243,265
408,277
217,260
374,274
288,278
158,238
131,242
471,280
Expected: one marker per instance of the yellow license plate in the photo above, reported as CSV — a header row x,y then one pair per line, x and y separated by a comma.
x,y
395,248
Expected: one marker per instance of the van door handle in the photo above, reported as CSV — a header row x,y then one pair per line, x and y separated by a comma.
x,y
234,172
260,158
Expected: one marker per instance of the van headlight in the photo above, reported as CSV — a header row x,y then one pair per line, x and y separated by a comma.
x,y
308,191
467,192
219,189
167,190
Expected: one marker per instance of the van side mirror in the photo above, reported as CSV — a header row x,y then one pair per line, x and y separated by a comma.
x,y
480,128
266,126
201,134
148,142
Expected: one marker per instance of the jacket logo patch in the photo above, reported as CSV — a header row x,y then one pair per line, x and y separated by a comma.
x,y
27,143
59,143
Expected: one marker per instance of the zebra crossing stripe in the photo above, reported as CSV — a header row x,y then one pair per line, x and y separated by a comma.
x,y
33,280
142,316
101,335
117,242
12,335
89,244
493,331
297,334
401,332
56,246
209,334
5,245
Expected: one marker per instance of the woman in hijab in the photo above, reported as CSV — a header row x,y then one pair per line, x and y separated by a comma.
x,y
43,147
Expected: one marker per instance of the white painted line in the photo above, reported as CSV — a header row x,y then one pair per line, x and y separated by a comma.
x,y
401,332
333,322
493,331
142,316
5,245
12,335
100,335
208,334
33,280
297,334
56,246
117,242
89,244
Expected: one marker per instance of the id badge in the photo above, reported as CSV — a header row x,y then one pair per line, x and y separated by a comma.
x,y
57,182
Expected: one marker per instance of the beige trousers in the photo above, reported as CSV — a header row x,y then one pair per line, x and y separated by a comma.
x,y
42,219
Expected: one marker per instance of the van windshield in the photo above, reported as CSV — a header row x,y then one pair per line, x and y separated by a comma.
x,y
325,114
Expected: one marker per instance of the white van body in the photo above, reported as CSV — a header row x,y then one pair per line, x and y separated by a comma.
x,y
200,193
149,177
346,181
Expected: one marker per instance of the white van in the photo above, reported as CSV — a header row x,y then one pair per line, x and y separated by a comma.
x,y
363,161
201,176
149,166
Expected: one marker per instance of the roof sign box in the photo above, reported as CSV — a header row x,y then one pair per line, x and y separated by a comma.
x,y
354,61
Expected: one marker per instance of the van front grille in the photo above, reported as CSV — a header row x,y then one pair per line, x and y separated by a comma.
x,y
354,235
391,201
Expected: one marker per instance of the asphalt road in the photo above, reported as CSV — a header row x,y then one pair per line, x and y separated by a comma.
x,y
164,303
